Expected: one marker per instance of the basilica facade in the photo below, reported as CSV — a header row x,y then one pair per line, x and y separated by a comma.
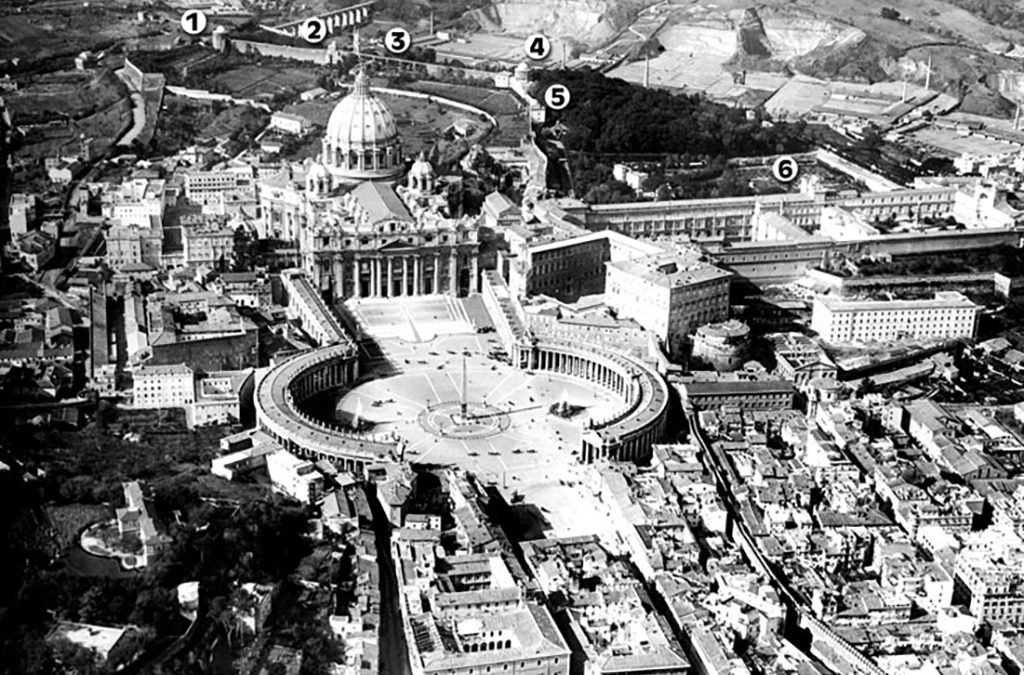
x,y
361,230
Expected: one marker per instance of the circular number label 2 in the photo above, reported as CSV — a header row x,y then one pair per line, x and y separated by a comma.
x,y
398,40
314,30
193,21
538,46
785,169
557,96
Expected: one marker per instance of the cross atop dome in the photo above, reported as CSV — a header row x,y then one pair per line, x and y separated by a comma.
x,y
361,86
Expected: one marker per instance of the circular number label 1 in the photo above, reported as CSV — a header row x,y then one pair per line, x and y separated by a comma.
x,y
785,169
398,40
538,46
557,96
193,21
314,30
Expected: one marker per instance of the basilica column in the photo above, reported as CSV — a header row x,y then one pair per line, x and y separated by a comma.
x,y
437,274
339,278
391,276
473,271
405,275
453,274
374,274
379,288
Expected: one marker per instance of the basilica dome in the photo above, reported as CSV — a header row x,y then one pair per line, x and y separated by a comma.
x,y
361,142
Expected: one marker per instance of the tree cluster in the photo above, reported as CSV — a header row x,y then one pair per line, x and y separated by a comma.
x,y
1005,13
609,115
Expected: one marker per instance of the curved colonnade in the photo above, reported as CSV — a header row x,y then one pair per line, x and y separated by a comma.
x,y
628,434
282,390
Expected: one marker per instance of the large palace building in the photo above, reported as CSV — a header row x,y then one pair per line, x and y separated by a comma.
x,y
359,233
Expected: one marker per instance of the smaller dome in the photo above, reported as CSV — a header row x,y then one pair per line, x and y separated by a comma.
x,y
317,171
422,168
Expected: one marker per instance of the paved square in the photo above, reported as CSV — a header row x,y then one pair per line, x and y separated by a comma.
x,y
509,435
414,319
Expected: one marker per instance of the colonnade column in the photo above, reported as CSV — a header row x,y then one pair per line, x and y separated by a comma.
x,y
453,274
391,276
416,275
339,278
405,275
436,288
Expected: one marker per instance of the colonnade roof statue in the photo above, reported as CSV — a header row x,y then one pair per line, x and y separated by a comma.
x,y
361,141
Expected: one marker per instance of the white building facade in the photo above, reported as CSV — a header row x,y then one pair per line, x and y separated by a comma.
x,y
949,314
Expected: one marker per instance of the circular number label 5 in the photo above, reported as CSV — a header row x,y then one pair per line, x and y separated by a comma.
x,y
557,96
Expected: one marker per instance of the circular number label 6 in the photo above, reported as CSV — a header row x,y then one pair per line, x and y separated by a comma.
x,y
785,169
557,96
314,30
398,40
538,46
193,21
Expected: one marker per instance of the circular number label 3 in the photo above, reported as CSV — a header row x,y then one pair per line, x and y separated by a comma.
x,y
398,40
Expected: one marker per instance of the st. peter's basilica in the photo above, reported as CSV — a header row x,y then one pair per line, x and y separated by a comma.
x,y
360,232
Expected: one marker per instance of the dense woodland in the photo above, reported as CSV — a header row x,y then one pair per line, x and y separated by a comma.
x,y
219,545
609,115
1005,13
611,120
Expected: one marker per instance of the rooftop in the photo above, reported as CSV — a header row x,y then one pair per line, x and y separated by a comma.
x,y
671,270
942,300
99,639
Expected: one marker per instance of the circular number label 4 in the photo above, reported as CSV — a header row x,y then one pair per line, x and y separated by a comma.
x,y
538,46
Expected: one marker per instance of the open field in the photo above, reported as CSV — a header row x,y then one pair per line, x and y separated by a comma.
x,y
56,138
503,105
501,47
955,144
40,34
183,121
250,81
69,520
64,94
